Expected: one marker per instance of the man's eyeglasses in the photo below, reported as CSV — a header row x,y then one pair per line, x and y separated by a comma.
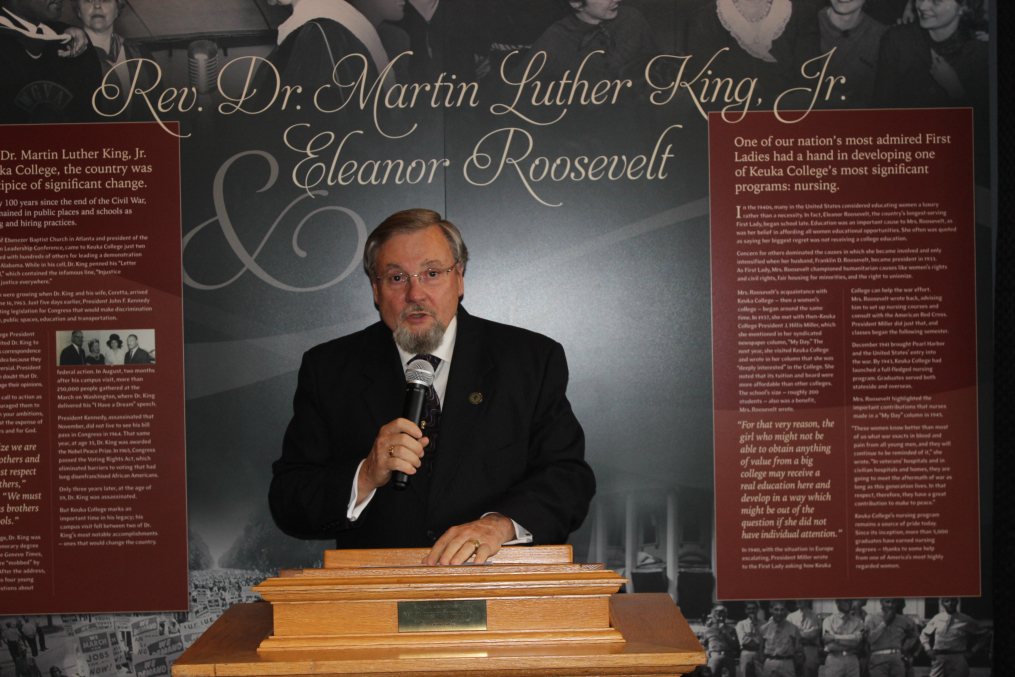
x,y
428,278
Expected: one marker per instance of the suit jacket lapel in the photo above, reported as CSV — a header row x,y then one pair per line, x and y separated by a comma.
x,y
383,389
382,382
470,367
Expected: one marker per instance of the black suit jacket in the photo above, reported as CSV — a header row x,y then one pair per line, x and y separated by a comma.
x,y
140,356
519,451
71,356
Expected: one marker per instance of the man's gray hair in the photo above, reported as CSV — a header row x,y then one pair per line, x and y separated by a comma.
x,y
410,221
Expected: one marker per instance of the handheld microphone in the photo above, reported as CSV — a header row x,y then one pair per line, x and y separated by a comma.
x,y
419,376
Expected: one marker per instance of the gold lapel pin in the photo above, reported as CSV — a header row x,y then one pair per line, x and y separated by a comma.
x,y
475,398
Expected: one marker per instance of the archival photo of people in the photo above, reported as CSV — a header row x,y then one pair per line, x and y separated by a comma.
x,y
808,638
77,348
83,645
567,140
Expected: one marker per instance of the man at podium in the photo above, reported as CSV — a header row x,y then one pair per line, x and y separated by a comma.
x,y
500,457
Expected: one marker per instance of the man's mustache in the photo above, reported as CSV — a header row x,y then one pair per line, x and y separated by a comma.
x,y
417,308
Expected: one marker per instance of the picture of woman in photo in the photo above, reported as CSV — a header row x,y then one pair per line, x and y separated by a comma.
x,y
938,61
114,350
95,356
98,17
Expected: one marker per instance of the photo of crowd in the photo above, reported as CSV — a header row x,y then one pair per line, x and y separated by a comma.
x,y
105,348
90,645
826,638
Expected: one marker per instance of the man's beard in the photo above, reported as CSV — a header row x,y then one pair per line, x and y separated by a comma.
x,y
424,342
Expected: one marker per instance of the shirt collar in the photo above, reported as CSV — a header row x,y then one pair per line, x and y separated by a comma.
x,y
443,351
426,8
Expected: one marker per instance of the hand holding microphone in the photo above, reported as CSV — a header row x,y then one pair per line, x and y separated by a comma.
x,y
398,447
419,376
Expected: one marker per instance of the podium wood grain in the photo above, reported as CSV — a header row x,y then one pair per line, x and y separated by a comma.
x,y
658,642
397,557
532,595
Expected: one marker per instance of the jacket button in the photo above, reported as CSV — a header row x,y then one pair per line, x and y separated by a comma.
x,y
431,535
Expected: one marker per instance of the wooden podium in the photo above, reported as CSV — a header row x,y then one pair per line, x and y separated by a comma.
x,y
531,611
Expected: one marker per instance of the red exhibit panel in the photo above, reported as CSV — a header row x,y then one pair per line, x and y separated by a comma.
x,y
844,343
93,511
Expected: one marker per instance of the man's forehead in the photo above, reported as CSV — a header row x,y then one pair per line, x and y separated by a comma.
x,y
391,265
417,248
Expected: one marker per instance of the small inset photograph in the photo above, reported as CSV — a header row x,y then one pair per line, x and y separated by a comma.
x,y
105,348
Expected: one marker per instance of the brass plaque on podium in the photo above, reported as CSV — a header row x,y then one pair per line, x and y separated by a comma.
x,y
442,615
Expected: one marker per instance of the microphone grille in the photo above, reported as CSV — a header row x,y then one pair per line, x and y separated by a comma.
x,y
420,371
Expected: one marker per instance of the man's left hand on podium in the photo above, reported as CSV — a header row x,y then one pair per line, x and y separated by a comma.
x,y
484,537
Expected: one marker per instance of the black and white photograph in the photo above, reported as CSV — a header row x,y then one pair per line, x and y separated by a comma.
x,y
105,348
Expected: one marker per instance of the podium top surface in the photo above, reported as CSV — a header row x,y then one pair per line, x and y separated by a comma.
x,y
395,557
658,641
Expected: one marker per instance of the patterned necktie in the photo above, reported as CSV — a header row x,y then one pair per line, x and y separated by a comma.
x,y
431,424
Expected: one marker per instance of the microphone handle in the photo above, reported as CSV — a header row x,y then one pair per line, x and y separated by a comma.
x,y
415,399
